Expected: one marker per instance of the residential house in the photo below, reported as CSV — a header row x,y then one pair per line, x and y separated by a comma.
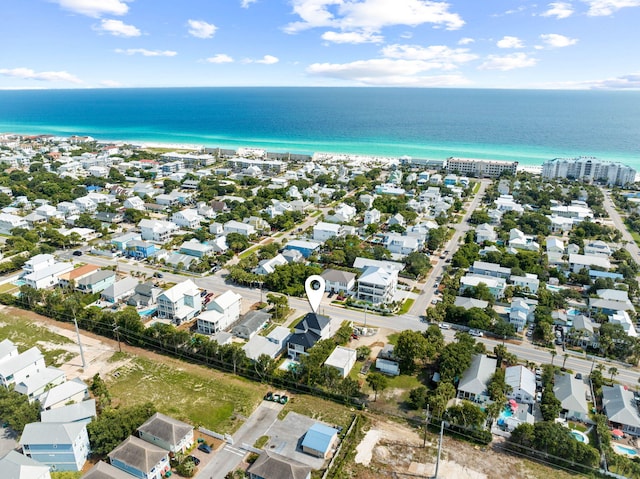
x,y
85,205
145,295
156,230
122,241
397,219
103,470
489,269
9,221
619,405
35,385
343,359
140,458
188,218
220,313
401,245
507,203
307,248
259,345
475,380
597,248
63,394
49,212
372,217
233,226
292,256
134,203
168,433
8,350
61,446
251,324
140,249
555,250
580,261
390,266
468,303
387,362
179,303
520,313
268,266
485,233
572,394
16,369
322,231
193,247
609,306
258,223
308,332
336,280
519,240
120,290
270,465
96,282
583,331
320,440
18,466
529,282
366,200
496,285
83,411
623,319
522,382
47,277
377,285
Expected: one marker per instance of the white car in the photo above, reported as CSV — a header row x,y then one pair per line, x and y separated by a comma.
x,y
444,326
476,333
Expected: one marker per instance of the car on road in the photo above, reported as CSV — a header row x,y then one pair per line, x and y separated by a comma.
x,y
476,333
434,301
77,253
578,375
195,460
444,326
158,275
435,285
205,448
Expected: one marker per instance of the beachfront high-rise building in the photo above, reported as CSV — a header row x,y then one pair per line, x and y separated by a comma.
x,y
480,168
589,169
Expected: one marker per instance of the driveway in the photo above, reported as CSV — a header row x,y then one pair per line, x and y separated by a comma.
x,y
7,441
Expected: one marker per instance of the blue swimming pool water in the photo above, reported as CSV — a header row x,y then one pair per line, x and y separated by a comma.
x,y
505,413
577,436
148,312
19,282
625,450
573,312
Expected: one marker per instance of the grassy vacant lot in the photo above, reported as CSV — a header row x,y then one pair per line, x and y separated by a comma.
x,y
26,334
191,393
8,288
320,409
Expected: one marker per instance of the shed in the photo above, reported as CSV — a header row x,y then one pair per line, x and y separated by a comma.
x,y
319,440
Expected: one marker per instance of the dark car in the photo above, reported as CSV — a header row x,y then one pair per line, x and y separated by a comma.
x,y
195,460
77,253
284,399
158,275
269,396
204,448
578,375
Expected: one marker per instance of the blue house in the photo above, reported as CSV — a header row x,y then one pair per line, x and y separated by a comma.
x,y
140,458
121,242
320,440
96,282
62,446
140,249
307,248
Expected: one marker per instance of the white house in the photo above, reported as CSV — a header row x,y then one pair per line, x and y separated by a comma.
x,y
188,218
372,217
522,382
521,312
597,248
343,213
36,384
221,313
134,203
180,303
337,280
528,282
38,262
85,205
323,231
343,359
377,285
496,285
158,231
580,261
519,240
9,221
555,250
400,244
485,233
233,226
267,266
68,392
18,368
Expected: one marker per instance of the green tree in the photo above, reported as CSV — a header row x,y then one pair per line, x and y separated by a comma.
x,y
264,366
418,398
411,347
378,382
100,392
279,305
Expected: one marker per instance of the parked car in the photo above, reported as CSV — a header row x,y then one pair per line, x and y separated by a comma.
x,y
205,448
158,275
268,396
284,399
538,396
195,460
77,253
444,326
276,398
476,333
578,375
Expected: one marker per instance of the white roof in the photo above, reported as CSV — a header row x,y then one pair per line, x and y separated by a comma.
x,y
327,227
175,293
53,270
376,275
475,280
363,263
589,260
71,412
40,379
18,363
6,348
227,299
62,392
258,345
340,357
51,433
519,377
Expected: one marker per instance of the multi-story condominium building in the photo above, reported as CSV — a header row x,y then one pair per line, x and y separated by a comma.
x,y
480,168
589,169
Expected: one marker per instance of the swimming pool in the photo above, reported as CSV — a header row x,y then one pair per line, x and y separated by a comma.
x,y
148,312
624,450
19,282
504,414
573,312
580,436
553,287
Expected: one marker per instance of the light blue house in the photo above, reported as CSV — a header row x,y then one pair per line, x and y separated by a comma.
x,y
62,446
121,242
319,440
307,248
140,459
96,282
140,249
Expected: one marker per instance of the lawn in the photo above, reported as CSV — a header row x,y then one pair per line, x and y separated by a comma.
x,y
8,288
406,306
191,393
635,236
26,334
320,409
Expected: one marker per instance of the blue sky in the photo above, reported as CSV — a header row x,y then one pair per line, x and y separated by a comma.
x,y
416,43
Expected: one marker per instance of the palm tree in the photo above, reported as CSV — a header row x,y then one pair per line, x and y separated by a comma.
x,y
553,355
566,356
613,371
600,367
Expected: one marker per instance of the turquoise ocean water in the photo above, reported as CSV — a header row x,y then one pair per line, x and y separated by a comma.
x,y
529,126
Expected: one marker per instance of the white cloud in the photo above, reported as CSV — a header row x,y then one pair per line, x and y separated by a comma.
x,y
268,60
246,3
371,15
386,72
147,53
117,28
603,8
559,10
555,40
201,29
465,41
435,56
508,62
352,37
110,83
29,74
95,8
220,58
509,42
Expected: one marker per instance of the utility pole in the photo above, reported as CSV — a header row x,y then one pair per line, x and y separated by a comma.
x,y
116,331
426,425
75,322
435,476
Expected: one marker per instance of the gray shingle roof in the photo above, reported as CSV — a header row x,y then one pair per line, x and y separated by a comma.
x,y
166,428
137,453
274,466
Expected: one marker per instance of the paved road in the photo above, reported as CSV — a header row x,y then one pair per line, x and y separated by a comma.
x,y
230,456
427,294
618,222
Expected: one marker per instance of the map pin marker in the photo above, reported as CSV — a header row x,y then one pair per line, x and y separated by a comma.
x,y
314,286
